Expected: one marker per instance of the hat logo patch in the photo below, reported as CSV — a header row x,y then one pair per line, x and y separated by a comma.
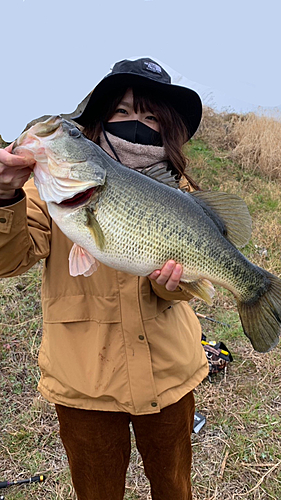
x,y
155,68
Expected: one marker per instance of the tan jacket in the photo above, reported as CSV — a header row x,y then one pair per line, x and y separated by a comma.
x,y
111,341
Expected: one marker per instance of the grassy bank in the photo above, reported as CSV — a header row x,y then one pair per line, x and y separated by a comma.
x,y
238,453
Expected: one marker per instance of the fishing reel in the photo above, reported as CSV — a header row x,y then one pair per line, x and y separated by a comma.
x,y
218,356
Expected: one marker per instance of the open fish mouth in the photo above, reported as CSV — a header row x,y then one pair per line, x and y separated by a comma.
x,y
79,199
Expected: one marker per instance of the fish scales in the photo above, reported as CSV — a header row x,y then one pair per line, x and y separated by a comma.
x,y
154,236
135,224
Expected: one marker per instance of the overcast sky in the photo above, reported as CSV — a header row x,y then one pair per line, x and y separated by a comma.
x,y
53,52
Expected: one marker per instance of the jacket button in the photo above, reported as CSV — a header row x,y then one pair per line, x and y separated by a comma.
x,y
154,404
141,337
2,219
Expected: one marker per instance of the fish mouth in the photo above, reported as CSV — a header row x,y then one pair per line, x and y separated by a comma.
x,y
78,199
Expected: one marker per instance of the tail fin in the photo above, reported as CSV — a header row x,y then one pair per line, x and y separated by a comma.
x,y
261,320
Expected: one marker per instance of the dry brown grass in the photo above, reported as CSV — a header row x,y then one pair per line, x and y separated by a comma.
x,y
216,129
250,140
233,455
258,145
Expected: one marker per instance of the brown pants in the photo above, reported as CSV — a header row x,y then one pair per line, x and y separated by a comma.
x,y
98,447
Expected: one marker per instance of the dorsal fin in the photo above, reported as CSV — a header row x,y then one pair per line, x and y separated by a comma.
x,y
161,174
230,214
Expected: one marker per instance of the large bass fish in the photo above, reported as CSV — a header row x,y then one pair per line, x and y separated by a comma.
x,y
134,223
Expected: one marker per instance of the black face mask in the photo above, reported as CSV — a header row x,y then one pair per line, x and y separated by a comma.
x,y
134,131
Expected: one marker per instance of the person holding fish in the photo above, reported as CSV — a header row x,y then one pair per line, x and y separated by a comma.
x,y
120,342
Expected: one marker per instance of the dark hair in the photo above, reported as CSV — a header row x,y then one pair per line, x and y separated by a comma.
x,y
172,128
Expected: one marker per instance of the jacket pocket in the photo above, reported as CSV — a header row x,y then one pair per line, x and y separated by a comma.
x,y
69,309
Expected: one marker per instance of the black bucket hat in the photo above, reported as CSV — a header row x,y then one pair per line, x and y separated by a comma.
x,y
150,75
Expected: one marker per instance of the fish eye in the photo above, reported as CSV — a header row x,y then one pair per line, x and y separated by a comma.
x,y
74,132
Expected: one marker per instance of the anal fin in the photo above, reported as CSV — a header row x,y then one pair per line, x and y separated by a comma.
x,y
202,289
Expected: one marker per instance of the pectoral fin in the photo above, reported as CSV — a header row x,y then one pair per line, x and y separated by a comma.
x,y
96,230
81,262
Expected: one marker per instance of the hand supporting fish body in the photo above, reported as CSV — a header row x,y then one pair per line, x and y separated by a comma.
x,y
133,223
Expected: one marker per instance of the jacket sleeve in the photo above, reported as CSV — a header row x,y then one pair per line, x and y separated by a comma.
x,y
181,292
25,232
